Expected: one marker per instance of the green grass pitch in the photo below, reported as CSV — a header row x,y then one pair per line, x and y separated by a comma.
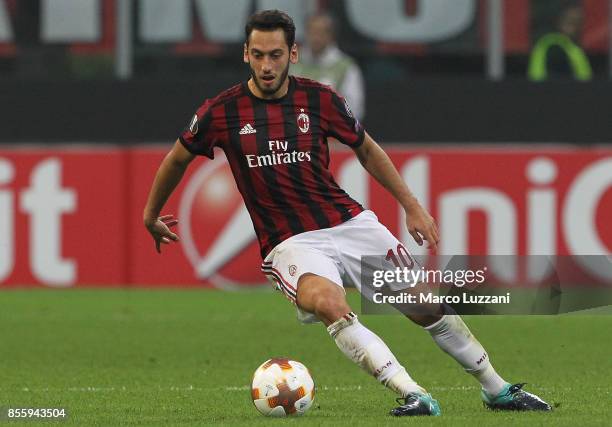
x,y
185,357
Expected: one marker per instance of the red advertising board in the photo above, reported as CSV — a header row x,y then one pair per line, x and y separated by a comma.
x,y
73,217
62,217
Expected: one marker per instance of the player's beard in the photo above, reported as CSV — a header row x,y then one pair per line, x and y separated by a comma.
x,y
272,90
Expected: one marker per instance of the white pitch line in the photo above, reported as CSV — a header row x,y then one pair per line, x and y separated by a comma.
x,y
244,388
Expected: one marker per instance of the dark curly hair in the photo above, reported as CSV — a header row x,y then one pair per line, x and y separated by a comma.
x,y
270,20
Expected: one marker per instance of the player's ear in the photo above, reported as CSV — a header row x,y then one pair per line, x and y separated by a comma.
x,y
245,54
294,54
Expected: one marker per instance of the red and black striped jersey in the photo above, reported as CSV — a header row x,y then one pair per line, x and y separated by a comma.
x,y
279,155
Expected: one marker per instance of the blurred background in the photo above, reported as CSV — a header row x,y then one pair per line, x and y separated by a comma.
x,y
496,112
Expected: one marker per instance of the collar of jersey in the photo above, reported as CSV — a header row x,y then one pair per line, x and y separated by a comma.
x,y
290,90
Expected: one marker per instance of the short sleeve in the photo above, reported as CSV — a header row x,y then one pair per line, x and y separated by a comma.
x,y
199,136
343,125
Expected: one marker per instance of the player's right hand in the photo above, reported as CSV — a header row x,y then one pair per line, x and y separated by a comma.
x,y
160,230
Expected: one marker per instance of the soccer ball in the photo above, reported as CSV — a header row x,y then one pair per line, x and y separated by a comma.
x,y
282,387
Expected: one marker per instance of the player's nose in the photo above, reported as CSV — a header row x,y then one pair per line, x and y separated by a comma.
x,y
266,65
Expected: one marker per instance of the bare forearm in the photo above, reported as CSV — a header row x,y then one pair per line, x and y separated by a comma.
x,y
167,178
379,165
419,222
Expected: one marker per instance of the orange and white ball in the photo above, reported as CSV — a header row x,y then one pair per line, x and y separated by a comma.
x,y
282,387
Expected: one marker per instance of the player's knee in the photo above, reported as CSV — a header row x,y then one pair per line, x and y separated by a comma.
x,y
330,308
322,297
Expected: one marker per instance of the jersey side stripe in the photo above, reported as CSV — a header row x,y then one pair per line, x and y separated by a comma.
x,y
326,103
336,211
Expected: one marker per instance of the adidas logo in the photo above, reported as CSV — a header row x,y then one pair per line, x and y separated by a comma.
x,y
247,130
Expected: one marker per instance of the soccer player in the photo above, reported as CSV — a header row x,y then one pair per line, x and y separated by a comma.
x,y
274,130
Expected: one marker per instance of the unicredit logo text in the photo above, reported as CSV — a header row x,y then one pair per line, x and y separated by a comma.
x,y
45,201
520,203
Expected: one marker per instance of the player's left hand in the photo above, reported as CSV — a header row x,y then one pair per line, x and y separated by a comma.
x,y
422,226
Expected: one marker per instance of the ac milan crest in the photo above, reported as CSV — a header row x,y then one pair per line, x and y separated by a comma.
x,y
303,121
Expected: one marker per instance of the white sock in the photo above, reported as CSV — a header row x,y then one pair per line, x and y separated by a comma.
x,y
368,351
453,336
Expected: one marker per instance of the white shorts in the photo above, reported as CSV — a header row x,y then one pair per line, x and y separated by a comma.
x,y
334,253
